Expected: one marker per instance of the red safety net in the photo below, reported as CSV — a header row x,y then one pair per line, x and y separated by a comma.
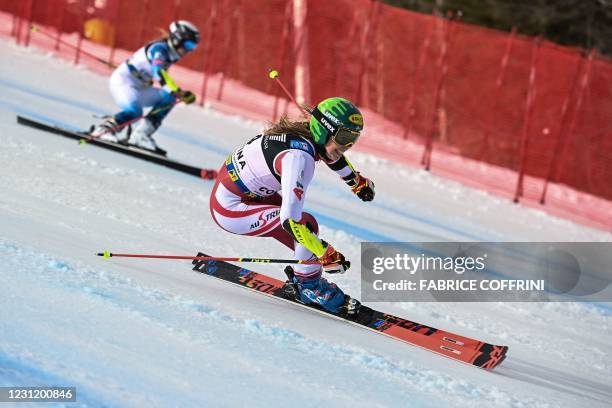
x,y
508,100
465,89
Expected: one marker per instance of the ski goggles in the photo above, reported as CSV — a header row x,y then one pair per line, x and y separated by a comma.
x,y
189,45
341,135
346,137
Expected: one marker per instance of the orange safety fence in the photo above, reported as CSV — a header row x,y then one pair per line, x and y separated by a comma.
x,y
516,102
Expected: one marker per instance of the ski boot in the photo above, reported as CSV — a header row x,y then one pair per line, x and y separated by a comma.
x,y
290,288
106,130
320,292
142,137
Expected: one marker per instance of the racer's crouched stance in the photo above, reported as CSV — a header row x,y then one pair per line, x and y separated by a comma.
x,y
131,86
261,189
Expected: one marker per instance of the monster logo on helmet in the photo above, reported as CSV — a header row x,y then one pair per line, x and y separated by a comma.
x,y
336,118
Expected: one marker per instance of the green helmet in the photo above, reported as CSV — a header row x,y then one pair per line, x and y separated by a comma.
x,y
334,114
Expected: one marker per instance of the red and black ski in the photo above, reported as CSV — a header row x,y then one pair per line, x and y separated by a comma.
x,y
119,148
464,349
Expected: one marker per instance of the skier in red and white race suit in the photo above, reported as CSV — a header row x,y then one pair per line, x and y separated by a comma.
x,y
262,187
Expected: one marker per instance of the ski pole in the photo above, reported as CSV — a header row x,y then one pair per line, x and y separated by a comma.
x,y
129,122
107,254
37,29
273,74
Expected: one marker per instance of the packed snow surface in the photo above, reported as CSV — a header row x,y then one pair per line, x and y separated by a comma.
x,y
136,333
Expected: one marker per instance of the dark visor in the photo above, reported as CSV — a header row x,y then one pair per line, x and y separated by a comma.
x,y
346,137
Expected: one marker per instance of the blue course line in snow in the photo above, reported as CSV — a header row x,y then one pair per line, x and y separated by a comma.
x,y
189,139
431,222
51,97
410,215
601,306
352,229
35,115
14,372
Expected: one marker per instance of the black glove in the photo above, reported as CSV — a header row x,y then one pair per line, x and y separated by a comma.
x,y
363,187
186,96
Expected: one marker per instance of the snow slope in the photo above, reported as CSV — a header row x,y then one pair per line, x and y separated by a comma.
x,y
133,333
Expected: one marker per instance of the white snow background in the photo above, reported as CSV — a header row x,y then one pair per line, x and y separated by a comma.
x,y
136,333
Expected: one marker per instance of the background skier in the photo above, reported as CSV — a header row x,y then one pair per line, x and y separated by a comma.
x,y
261,189
131,86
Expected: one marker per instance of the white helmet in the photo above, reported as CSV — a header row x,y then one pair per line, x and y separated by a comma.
x,y
184,34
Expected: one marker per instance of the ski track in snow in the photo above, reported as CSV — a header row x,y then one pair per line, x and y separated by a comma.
x,y
146,334
53,281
